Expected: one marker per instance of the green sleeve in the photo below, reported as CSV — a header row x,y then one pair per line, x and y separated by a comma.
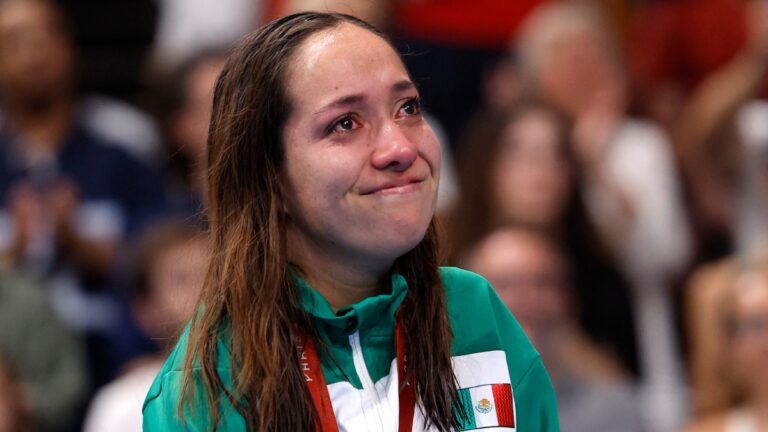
x,y
535,402
160,410
161,406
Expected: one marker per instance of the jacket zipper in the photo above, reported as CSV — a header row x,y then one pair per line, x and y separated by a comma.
x,y
365,379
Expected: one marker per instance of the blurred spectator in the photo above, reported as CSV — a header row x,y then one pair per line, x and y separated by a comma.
x,y
570,58
185,27
632,190
14,412
186,114
729,333
67,197
172,261
48,359
52,167
518,168
530,276
116,121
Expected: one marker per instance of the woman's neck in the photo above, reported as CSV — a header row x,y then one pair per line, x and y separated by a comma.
x,y
341,292
342,280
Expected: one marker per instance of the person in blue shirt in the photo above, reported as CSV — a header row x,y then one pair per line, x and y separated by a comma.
x,y
68,197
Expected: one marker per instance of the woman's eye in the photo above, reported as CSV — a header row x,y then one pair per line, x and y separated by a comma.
x,y
411,107
344,124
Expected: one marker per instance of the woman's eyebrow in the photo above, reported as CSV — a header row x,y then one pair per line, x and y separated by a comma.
x,y
403,85
358,99
342,102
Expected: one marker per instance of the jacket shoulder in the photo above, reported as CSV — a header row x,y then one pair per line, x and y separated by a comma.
x,y
486,336
481,322
161,405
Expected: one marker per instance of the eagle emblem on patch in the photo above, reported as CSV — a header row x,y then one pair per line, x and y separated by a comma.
x,y
484,406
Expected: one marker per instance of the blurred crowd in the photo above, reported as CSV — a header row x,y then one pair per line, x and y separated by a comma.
x,y
605,168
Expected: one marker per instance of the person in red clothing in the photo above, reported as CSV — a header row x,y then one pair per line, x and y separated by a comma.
x,y
673,46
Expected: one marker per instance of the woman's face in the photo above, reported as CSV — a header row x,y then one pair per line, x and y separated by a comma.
x,y
361,164
531,178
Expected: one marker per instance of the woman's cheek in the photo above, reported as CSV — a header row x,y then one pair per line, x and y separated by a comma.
x,y
429,147
345,163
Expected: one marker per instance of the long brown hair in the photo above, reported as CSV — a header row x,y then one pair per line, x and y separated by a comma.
x,y
249,295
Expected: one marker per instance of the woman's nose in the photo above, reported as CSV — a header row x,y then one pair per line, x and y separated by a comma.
x,y
394,149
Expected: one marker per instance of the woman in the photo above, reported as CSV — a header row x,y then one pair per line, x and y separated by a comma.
x,y
728,311
518,169
323,308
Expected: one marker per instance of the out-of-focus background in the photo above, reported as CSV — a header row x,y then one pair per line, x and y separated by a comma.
x,y
606,168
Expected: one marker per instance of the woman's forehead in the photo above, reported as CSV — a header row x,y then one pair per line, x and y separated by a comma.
x,y
340,35
342,57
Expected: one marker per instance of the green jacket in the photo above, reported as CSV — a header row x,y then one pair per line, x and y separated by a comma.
x,y
492,358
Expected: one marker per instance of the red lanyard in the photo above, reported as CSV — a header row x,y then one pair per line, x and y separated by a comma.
x,y
313,374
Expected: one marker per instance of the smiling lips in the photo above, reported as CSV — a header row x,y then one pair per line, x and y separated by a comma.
x,y
398,186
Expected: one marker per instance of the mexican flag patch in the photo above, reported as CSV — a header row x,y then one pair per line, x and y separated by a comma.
x,y
486,406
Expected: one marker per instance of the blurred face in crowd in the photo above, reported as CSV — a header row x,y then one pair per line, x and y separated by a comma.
x,y
36,55
531,177
527,273
361,165
749,337
190,123
577,70
175,279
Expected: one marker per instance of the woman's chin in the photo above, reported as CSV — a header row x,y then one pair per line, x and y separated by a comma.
x,y
400,243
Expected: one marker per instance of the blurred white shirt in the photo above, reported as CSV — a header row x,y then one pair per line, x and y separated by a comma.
x,y
641,162
655,248
117,406
187,26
